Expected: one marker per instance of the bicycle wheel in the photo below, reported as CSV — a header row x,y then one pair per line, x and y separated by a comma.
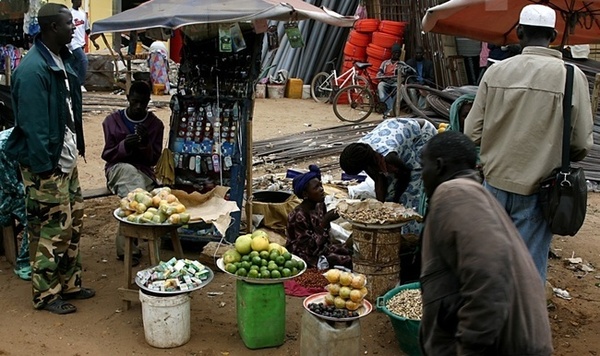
x,y
320,87
353,103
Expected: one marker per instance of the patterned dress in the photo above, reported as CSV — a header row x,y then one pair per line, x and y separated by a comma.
x,y
406,137
308,240
12,199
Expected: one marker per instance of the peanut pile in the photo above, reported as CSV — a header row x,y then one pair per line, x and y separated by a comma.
x,y
406,304
312,278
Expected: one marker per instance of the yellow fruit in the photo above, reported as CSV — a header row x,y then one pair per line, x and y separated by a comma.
x,y
333,275
148,215
141,208
356,296
345,278
133,205
171,198
124,204
243,244
350,305
185,218
334,288
339,303
174,219
180,208
345,292
156,201
358,281
329,299
364,291
258,233
260,243
275,246
231,256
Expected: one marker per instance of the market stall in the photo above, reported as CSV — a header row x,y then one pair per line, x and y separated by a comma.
x,y
211,121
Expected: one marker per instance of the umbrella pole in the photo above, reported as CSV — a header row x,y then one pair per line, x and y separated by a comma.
x,y
249,176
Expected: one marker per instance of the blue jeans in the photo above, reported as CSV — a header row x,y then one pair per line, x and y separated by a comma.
x,y
526,212
383,91
80,64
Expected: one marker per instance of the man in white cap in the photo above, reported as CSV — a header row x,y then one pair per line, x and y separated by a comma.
x,y
518,122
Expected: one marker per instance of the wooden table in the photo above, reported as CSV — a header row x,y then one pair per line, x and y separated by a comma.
x,y
152,234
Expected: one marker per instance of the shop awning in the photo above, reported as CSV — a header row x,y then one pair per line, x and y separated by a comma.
x,y
173,14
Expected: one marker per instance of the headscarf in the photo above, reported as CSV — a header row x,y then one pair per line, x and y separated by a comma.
x,y
300,181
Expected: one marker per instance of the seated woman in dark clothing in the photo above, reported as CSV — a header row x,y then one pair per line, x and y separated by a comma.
x,y
308,225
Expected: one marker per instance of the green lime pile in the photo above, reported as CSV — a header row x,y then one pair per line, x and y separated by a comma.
x,y
266,264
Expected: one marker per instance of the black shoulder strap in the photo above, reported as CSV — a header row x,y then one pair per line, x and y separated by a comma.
x,y
567,103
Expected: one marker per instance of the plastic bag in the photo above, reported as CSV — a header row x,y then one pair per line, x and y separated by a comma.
x,y
322,263
363,190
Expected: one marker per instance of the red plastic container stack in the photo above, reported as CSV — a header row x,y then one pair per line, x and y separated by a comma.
x,y
371,41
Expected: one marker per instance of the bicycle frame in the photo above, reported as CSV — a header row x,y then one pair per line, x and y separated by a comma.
x,y
334,79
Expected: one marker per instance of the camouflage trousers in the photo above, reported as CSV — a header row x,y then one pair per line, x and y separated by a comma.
x,y
54,221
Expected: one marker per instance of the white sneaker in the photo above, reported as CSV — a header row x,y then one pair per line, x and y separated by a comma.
x,y
83,90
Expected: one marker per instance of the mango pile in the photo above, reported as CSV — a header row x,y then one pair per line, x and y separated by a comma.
x,y
255,257
346,290
156,207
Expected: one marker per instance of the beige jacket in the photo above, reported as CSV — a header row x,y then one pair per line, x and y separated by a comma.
x,y
517,119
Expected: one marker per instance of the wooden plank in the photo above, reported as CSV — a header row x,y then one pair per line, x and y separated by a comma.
x,y
9,242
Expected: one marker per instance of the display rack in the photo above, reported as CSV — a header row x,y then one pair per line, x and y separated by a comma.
x,y
210,117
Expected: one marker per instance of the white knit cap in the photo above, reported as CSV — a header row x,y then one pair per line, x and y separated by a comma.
x,y
538,15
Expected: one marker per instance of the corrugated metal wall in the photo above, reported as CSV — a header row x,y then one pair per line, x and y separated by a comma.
x,y
322,43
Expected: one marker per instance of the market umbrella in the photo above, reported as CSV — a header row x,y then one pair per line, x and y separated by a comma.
x,y
494,21
173,14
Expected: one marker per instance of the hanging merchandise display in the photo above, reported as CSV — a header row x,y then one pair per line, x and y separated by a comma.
x,y
211,109
225,38
294,35
272,38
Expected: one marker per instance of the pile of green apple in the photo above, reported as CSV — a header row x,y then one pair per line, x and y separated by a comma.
x,y
255,257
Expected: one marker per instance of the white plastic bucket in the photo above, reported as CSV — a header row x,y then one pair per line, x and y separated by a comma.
x,y
166,320
261,91
306,91
276,91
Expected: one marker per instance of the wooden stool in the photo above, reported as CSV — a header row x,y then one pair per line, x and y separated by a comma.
x,y
152,234
9,243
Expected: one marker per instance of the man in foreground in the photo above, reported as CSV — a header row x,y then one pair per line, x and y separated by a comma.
x,y
481,291
46,140
517,121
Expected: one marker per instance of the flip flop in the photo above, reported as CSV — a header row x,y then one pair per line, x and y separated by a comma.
x,y
84,293
59,306
23,272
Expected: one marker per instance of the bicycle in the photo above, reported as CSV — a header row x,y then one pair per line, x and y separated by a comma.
x,y
325,85
356,102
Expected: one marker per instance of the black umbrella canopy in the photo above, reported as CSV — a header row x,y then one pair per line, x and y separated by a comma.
x,y
173,14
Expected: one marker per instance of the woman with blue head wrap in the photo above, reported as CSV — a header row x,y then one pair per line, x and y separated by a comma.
x,y
308,224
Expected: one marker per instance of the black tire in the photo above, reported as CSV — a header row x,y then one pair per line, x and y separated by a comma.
x,y
320,87
353,104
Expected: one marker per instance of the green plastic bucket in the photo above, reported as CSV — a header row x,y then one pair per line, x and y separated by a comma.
x,y
260,314
406,330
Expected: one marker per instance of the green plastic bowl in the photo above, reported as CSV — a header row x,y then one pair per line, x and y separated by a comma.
x,y
406,330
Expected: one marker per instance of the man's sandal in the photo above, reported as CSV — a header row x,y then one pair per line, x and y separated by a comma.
x,y
83,293
59,306
24,273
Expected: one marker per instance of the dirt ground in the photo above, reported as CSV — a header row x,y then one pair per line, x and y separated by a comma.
x,y
101,327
